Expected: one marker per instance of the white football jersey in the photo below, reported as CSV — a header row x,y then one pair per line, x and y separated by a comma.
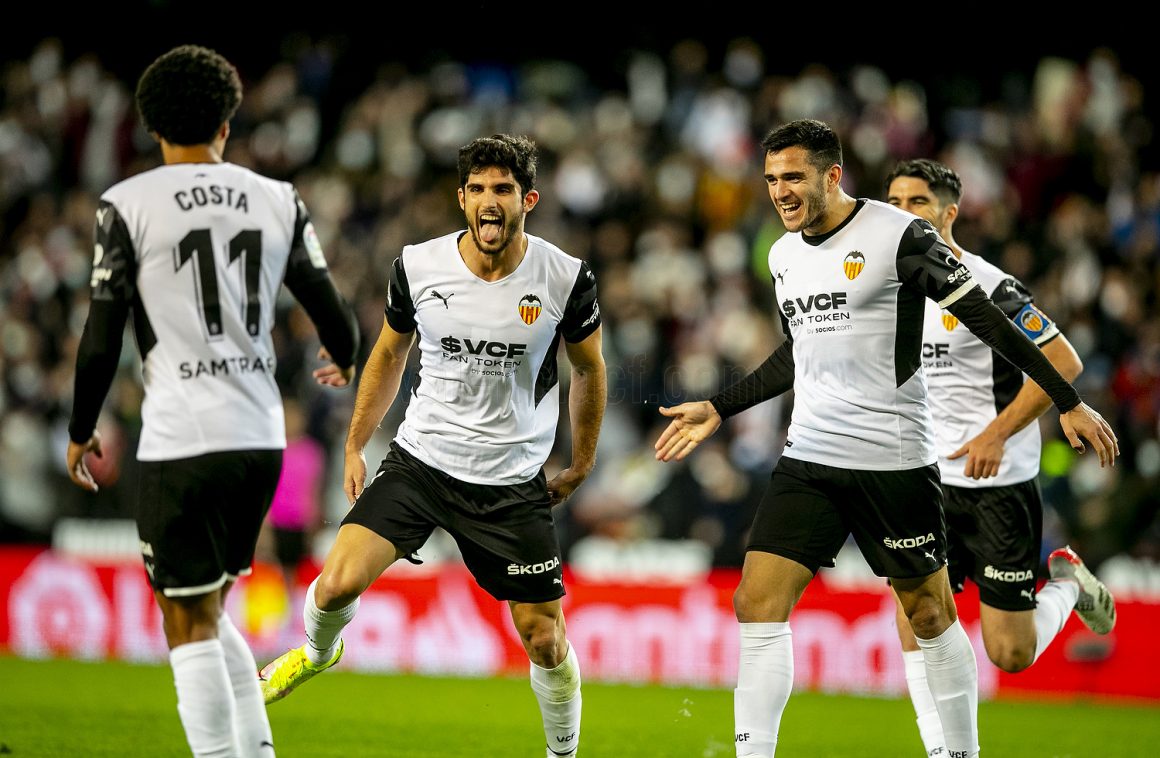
x,y
200,250
486,400
852,301
970,384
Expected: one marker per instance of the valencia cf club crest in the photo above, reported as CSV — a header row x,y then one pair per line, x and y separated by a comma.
x,y
1031,320
949,321
853,265
530,309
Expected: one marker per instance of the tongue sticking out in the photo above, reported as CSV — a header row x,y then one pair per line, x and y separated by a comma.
x,y
489,232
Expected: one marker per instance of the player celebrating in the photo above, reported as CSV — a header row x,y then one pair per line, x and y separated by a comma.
x,y
490,305
196,250
989,454
850,276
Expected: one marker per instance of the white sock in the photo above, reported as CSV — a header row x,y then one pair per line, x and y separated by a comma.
x,y
953,678
1053,605
323,628
205,699
764,682
254,736
558,691
929,727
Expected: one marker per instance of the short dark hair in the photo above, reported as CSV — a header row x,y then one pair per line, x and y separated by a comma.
x,y
515,154
942,179
187,94
819,140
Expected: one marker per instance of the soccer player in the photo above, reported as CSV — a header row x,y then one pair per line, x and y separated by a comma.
x,y
850,276
489,305
196,250
989,452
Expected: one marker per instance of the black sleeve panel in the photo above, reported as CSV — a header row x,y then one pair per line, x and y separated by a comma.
x,y
114,287
400,308
306,261
988,322
767,381
114,277
1010,295
926,264
332,317
582,312
97,357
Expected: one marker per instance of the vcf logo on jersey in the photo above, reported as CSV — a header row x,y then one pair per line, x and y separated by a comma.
x,y
949,322
530,308
853,264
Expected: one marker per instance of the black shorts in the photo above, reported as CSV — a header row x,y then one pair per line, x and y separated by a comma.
x,y
198,518
994,537
505,532
896,517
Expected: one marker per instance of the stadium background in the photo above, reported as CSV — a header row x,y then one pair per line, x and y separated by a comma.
x,y
650,171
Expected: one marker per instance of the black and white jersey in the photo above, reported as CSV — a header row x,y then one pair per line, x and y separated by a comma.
x,y
486,402
852,302
970,384
199,252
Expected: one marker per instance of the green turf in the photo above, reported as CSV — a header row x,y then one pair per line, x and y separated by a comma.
x,y
77,710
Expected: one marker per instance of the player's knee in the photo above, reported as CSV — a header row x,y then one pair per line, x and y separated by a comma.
x,y
928,619
545,647
750,606
1011,656
337,589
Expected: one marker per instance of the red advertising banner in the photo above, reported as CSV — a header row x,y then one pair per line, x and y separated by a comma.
x,y
434,619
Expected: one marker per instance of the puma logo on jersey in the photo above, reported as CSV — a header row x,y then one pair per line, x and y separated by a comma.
x,y
443,298
595,315
780,276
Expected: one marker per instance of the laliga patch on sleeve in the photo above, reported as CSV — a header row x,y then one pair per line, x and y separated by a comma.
x,y
313,246
1033,321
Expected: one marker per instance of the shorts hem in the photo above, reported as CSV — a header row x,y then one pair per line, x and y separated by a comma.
x,y
809,563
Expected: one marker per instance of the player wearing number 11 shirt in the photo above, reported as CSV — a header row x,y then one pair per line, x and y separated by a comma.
x,y
195,252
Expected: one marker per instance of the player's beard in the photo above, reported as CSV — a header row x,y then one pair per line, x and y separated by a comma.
x,y
813,207
509,229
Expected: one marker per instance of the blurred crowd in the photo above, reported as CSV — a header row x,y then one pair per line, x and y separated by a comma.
x,y
655,179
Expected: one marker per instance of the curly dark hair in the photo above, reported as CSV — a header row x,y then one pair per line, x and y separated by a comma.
x,y
515,154
818,139
187,94
942,179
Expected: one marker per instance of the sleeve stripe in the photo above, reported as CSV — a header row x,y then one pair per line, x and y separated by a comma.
x,y
1048,335
957,295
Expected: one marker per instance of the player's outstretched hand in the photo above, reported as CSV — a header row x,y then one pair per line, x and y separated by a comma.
x,y
78,470
984,454
354,474
692,424
331,374
563,484
1084,422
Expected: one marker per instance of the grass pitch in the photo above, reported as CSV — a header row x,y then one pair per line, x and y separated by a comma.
x,y
79,710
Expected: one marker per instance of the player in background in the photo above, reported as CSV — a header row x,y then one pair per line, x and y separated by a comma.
x,y
989,451
489,306
196,251
850,277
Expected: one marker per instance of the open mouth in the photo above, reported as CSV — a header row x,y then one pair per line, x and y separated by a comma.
x,y
490,227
